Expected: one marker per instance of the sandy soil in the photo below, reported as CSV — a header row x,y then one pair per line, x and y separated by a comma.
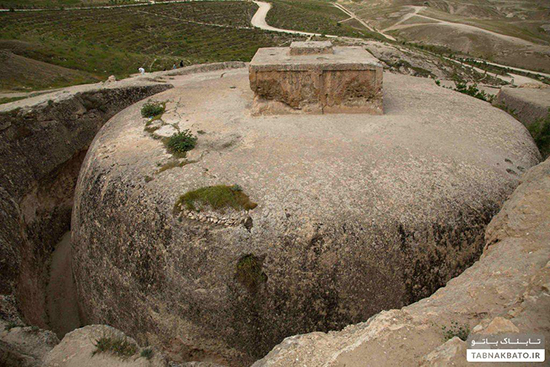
x,y
61,291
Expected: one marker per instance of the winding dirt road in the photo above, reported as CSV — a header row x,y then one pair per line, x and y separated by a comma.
x,y
365,24
258,21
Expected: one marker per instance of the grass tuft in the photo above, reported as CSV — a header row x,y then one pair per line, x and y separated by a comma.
x,y
249,272
153,109
181,142
217,197
116,345
147,353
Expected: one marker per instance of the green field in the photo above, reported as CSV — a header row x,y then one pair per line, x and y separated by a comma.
x,y
118,41
33,4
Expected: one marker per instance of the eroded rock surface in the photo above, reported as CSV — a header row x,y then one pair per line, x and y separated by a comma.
x,y
505,291
23,346
529,103
355,214
79,349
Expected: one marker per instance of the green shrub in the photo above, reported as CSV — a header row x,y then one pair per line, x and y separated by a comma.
x,y
181,142
473,91
153,109
147,353
217,197
540,131
116,345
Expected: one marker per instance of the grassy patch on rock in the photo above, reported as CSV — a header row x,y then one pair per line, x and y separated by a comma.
x,y
153,109
217,197
147,353
173,163
180,143
473,91
116,345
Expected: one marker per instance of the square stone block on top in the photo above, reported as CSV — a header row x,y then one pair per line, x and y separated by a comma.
x,y
315,77
308,48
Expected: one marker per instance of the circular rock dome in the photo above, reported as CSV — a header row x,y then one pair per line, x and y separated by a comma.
x,y
278,225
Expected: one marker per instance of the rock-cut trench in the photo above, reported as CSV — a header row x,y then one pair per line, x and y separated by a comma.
x,y
61,297
43,142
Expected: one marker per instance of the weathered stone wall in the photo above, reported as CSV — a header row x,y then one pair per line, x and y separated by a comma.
x,y
505,291
43,142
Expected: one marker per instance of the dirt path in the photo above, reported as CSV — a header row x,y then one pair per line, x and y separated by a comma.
x,y
365,24
510,78
416,10
61,293
517,69
258,20
456,25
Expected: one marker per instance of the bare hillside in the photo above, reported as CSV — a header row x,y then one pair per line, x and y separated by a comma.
x,y
514,33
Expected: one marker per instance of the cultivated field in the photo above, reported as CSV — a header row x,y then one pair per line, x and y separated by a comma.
x,y
316,16
56,4
118,41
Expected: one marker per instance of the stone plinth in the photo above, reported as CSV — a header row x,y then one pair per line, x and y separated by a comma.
x,y
311,48
314,77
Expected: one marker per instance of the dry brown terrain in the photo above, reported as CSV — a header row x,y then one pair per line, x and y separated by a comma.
x,y
516,34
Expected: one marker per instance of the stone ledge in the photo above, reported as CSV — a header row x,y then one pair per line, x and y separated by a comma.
x,y
343,58
528,104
